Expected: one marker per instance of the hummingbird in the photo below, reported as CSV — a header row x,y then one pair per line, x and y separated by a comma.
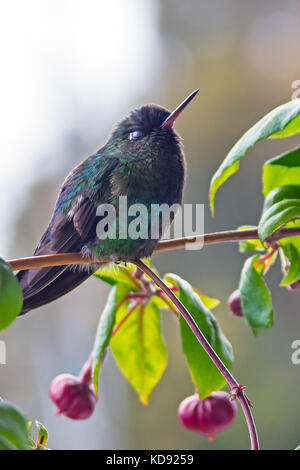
x,y
143,160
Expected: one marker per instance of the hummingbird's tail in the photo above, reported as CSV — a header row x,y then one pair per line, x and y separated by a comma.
x,y
43,285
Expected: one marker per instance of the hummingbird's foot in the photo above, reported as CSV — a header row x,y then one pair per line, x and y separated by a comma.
x,y
119,261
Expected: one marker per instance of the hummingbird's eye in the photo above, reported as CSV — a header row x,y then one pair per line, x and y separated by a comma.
x,y
135,135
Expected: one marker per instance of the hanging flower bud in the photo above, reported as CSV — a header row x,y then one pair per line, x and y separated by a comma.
x,y
209,416
294,286
72,395
234,303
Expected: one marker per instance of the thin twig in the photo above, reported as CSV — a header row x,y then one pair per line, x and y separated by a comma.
x,y
210,351
62,259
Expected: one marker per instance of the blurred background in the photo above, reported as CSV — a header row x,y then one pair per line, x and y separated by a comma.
x,y
69,70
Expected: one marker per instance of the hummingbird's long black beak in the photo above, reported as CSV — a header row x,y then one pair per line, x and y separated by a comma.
x,y
169,121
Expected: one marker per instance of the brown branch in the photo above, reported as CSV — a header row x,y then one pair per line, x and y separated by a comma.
x,y
62,259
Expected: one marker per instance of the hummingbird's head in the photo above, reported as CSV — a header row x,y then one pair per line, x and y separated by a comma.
x,y
148,131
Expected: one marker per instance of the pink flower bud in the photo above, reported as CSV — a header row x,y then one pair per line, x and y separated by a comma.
x,y
72,395
294,286
209,416
234,303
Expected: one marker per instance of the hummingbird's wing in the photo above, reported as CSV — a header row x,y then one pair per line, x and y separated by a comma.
x,y
66,281
42,285
66,233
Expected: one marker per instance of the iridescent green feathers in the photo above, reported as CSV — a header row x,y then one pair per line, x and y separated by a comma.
x,y
141,161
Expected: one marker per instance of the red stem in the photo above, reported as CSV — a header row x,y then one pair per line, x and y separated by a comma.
x,y
161,294
210,351
86,372
133,308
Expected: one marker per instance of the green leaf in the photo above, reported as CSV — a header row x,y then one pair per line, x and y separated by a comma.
x,y
255,297
14,434
42,437
105,327
297,448
293,240
250,245
159,302
281,171
291,129
10,295
290,191
293,274
138,348
280,122
6,445
205,374
289,245
113,273
277,216
209,302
